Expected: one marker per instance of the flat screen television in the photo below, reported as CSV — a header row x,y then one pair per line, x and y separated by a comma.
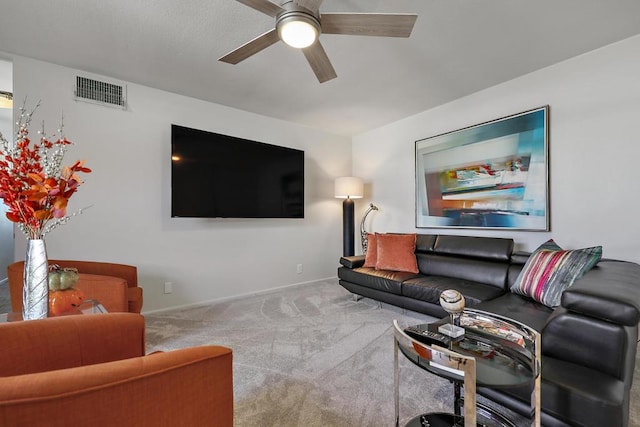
x,y
221,176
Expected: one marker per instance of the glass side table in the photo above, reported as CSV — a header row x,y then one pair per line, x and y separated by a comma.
x,y
494,352
90,306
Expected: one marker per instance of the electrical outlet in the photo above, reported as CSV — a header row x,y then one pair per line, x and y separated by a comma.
x,y
168,287
299,269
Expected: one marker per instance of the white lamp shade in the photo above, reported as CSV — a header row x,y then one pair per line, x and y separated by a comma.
x,y
6,99
349,187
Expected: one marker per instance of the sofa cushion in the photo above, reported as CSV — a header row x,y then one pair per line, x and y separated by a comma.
x,y
550,270
382,280
429,288
396,252
519,308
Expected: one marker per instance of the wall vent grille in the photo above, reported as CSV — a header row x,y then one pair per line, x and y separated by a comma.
x,y
100,92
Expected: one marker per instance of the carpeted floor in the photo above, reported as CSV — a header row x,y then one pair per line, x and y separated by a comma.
x,y
311,356
308,356
5,301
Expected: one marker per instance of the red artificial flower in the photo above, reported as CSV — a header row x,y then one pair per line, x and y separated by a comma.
x,y
33,184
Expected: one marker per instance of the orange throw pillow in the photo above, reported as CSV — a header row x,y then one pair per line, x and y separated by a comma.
x,y
396,252
371,257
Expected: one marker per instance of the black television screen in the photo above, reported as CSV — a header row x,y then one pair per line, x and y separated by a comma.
x,y
220,176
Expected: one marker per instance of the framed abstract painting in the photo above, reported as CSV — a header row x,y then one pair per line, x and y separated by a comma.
x,y
493,175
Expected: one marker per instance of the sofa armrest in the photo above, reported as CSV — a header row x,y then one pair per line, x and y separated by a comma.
x,y
352,261
191,386
609,291
69,341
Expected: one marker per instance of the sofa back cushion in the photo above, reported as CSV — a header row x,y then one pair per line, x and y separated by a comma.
x,y
486,248
425,242
479,259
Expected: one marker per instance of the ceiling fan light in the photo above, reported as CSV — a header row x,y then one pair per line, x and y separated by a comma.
x,y
298,32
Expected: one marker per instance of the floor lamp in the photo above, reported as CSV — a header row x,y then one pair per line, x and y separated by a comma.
x,y
348,188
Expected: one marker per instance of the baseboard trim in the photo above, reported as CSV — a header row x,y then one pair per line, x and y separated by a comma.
x,y
234,297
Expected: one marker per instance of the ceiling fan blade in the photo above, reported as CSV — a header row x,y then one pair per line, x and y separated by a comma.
x,y
368,24
312,5
251,48
264,6
319,61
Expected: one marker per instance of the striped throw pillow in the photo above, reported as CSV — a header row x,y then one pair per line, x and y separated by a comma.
x,y
550,270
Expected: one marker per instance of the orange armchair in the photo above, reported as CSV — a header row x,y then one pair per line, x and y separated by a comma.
x,y
92,370
115,286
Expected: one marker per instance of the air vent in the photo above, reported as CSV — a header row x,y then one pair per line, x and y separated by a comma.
x,y
101,92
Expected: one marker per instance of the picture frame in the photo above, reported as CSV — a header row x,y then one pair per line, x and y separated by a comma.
x,y
493,175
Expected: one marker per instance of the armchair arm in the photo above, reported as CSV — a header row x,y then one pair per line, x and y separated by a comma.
x,y
69,341
135,299
187,387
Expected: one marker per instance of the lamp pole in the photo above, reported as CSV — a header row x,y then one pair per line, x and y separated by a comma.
x,y
348,188
348,227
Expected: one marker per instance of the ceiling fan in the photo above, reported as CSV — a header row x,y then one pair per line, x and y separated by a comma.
x,y
299,24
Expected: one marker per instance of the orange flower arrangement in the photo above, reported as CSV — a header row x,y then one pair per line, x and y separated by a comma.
x,y
33,183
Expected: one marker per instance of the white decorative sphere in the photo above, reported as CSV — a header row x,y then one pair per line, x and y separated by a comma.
x,y
452,301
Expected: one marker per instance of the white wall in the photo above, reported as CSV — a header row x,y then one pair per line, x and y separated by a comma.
x,y
129,190
594,151
594,143
6,128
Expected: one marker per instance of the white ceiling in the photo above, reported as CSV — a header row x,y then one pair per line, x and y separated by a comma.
x,y
457,47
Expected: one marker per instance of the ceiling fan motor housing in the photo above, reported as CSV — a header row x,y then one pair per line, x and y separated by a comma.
x,y
294,13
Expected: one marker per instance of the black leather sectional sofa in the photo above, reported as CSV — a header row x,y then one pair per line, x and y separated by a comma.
x,y
589,342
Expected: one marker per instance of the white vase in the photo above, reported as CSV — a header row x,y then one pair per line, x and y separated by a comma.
x,y
35,291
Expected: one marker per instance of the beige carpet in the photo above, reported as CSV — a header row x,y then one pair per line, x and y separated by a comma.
x,y
310,356
5,301
305,356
